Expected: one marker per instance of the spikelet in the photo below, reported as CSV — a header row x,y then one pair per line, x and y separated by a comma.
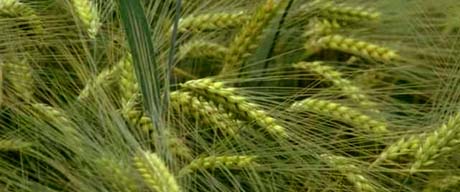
x,y
351,171
344,12
86,10
353,46
14,8
213,21
334,76
212,162
205,111
20,76
155,173
440,141
340,112
199,49
104,78
10,144
405,145
118,174
235,103
248,38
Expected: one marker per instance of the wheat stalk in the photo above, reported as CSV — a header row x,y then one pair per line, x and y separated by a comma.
x,y
155,173
340,112
248,38
235,103
212,162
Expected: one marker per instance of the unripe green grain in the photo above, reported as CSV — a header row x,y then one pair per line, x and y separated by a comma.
x,y
212,162
86,10
215,21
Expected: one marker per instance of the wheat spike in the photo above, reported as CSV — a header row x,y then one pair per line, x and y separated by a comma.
x,y
443,184
205,111
212,162
440,141
235,103
248,38
155,173
321,27
198,49
20,75
9,144
104,78
405,145
14,8
353,46
86,10
344,12
129,87
340,112
334,76
351,171
213,21
118,174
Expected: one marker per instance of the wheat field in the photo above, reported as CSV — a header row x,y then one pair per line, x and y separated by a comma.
x,y
228,95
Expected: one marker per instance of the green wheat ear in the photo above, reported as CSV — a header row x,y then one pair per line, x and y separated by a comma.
x,y
13,144
155,173
212,162
16,9
87,12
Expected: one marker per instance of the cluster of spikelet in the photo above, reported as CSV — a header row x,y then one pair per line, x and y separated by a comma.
x,y
73,116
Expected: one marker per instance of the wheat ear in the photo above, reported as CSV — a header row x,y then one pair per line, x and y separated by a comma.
x,y
20,75
117,174
340,112
9,144
440,141
205,111
14,8
443,184
61,121
212,162
344,12
354,46
175,145
246,41
321,27
155,173
104,78
235,103
129,87
86,10
405,145
353,173
213,21
199,49
334,76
